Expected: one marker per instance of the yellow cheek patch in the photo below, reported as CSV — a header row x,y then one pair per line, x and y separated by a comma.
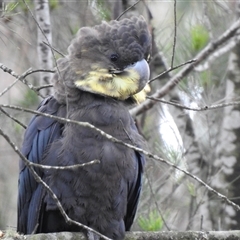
x,y
141,96
120,86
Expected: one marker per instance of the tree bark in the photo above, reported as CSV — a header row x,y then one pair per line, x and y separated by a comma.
x,y
44,35
171,235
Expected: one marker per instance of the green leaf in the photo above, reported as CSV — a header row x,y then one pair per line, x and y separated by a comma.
x,y
153,222
199,37
53,4
9,7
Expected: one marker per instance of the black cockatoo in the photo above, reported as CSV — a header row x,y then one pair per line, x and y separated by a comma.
x,y
106,69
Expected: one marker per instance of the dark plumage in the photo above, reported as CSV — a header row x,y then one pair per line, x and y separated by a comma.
x,y
104,70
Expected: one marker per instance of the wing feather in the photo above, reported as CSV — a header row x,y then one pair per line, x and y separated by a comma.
x,y
135,187
41,132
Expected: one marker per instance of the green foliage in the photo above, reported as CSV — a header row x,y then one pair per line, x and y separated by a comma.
x,y
199,37
102,9
7,11
153,222
53,4
9,7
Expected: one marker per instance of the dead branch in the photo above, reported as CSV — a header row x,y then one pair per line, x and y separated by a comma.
x,y
199,109
23,80
115,140
171,235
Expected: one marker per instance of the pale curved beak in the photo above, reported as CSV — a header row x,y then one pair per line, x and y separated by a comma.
x,y
142,69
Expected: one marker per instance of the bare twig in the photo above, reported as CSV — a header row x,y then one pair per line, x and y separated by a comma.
x,y
199,109
223,6
204,54
175,32
18,77
201,223
13,118
9,87
54,49
171,69
23,80
224,50
10,71
52,194
127,9
43,86
156,203
115,140
75,166
207,20
39,70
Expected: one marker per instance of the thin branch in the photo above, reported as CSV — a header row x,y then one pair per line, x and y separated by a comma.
x,y
204,54
11,72
18,77
52,194
43,86
23,80
156,203
171,69
132,6
39,27
13,118
207,20
9,87
199,109
222,6
39,70
54,49
115,140
75,166
216,55
8,70
175,32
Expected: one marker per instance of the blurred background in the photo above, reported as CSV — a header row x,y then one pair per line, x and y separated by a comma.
x,y
206,143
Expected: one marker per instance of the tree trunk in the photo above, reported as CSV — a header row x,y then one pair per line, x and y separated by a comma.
x,y
44,35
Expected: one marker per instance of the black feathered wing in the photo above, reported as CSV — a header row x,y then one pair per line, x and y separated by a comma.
x,y
41,132
135,188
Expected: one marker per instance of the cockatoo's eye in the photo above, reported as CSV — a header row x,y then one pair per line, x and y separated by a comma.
x,y
114,57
